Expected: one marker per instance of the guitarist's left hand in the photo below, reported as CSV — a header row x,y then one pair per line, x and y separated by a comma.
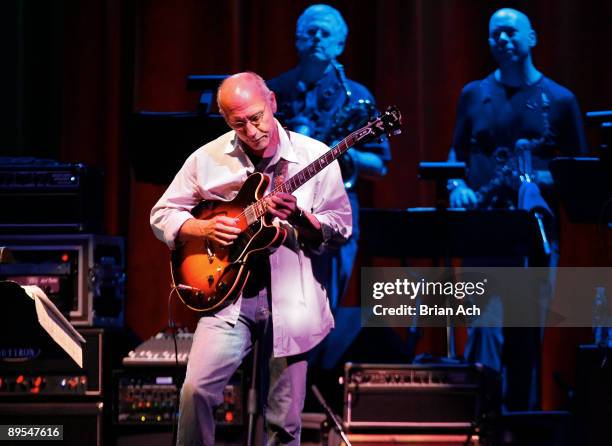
x,y
282,205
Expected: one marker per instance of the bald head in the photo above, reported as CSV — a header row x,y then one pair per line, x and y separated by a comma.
x,y
241,88
508,13
248,107
511,37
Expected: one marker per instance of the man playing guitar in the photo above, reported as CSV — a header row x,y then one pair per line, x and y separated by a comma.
x,y
283,302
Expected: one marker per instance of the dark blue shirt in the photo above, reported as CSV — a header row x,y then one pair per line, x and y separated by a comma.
x,y
491,115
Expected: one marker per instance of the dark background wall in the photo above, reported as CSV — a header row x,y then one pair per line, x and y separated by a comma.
x,y
74,71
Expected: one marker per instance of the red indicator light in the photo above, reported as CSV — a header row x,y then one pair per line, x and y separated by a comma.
x,y
229,417
65,257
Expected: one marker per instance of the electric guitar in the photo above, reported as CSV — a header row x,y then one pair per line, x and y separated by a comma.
x,y
206,275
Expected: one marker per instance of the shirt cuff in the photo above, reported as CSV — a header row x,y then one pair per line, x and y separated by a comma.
x,y
171,229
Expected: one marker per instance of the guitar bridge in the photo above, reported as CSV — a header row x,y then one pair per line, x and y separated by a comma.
x,y
209,253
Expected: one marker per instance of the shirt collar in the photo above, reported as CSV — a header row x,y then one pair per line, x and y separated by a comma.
x,y
284,151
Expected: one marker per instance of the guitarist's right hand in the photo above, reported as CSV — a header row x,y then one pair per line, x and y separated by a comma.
x,y
220,229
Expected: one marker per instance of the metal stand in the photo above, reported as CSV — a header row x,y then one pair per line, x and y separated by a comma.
x,y
441,173
252,398
331,417
443,234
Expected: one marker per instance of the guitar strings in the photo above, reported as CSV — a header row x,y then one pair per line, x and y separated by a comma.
x,y
305,169
351,137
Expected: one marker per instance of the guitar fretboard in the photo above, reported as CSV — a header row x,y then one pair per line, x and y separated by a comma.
x,y
387,123
258,209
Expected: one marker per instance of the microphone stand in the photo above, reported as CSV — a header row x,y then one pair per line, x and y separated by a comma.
x,y
252,396
335,423
524,148
262,321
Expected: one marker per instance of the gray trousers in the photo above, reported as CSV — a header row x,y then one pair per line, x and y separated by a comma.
x,y
217,351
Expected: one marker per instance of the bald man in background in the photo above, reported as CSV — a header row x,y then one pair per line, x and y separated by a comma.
x,y
515,106
283,304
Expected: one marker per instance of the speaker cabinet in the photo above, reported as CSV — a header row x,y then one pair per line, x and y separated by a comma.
x,y
594,395
412,440
82,422
82,274
418,398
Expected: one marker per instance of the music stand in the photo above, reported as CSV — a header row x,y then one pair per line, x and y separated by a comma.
x,y
159,142
584,186
444,234
208,85
602,118
427,233
441,172
34,327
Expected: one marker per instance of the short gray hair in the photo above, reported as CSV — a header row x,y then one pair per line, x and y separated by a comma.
x,y
322,9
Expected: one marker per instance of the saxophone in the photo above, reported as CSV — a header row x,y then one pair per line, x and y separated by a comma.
x,y
353,115
513,166
350,116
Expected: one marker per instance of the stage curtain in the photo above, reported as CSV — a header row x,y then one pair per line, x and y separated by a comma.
x,y
125,56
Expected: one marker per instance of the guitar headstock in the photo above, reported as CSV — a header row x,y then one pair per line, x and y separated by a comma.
x,y
387,123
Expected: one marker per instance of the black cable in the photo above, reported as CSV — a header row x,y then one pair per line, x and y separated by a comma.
x,y
172,327
603,226
468,440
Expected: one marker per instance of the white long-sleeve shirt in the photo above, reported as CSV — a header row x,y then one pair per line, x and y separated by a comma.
x,y
301,316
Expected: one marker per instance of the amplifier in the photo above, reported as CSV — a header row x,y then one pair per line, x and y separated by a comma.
x,y
150,395
82,274
412,440
43,197
82,422
418,397
52,373
158,351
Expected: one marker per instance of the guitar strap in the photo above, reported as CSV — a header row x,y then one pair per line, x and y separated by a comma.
x,y
281,169
259,282
280,173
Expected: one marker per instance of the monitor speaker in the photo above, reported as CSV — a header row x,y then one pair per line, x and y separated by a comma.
x,y
82,422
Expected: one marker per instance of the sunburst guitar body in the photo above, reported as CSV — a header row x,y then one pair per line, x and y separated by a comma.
x,y
206,275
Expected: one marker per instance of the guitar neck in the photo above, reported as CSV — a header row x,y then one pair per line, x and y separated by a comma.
x,y
317,165
258,209
388,123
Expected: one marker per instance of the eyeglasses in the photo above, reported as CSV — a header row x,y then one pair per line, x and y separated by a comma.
x,y
314,31
255,120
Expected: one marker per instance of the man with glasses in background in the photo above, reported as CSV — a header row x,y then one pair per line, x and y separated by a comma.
x,y
316,99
